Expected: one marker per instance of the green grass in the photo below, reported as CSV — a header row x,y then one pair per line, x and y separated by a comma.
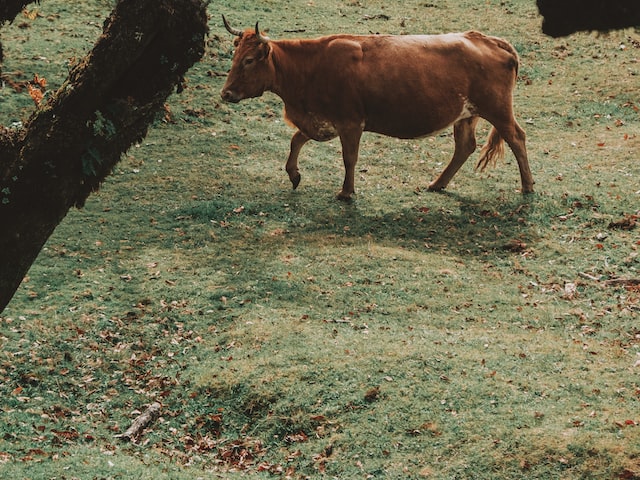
x,y
468,334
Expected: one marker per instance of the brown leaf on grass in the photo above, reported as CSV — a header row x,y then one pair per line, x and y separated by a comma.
x,y
241,453
628,222
274,469
299,437
66,434
199,443
320,460
372,395
625,423
211,423
515,245
427,427
293,455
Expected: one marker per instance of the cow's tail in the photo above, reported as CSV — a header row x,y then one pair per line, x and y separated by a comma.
x,y
492,151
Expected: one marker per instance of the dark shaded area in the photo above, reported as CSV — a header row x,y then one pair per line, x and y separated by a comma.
x,y
9,9
563,17
70,144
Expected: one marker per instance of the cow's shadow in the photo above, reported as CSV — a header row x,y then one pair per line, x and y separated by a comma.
x,y
466,225
454,223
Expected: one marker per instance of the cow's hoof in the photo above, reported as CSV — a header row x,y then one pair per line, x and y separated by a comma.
x,y
295,181
344,197
434,187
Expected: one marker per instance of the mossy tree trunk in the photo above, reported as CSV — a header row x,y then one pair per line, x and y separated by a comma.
x,y
70,144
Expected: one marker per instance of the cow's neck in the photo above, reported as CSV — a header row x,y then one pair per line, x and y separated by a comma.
x,y
293,64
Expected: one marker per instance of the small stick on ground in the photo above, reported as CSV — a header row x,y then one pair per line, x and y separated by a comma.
x,y
150,415
613,282
624,282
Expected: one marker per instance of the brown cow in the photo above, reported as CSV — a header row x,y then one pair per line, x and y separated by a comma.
x,y
405,86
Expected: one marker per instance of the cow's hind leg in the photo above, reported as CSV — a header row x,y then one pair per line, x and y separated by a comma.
x,y
515,137
297,142
464,133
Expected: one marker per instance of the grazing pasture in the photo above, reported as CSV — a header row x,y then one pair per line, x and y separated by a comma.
x,y
475,333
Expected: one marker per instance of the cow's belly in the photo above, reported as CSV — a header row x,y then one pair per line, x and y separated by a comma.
x,y
415,121
406,131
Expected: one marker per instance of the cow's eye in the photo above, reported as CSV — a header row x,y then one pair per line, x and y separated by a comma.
x,y
248,60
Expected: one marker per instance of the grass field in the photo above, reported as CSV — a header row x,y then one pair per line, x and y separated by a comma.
x,y
472,334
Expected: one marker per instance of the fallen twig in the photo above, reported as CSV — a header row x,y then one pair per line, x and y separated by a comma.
x,y
380,16
590,277
623,282
612,282
150,415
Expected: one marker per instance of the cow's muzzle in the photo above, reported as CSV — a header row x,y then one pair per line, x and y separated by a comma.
x,y
230,96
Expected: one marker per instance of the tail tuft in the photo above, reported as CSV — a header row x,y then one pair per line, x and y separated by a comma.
x,y
492,151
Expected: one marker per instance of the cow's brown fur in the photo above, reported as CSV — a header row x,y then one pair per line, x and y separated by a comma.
x,y
401,86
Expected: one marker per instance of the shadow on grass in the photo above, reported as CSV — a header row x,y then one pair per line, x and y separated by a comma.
x,y
451,222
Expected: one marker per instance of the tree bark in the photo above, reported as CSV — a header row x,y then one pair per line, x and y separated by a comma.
x,y
68,146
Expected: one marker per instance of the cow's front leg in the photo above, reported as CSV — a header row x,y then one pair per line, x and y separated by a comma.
x,y
297,142
350,139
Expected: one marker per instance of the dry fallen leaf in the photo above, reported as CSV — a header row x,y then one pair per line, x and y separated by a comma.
x,y
628,222
372,395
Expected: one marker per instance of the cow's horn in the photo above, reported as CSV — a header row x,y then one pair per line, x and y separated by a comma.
x,y
232,31
259,35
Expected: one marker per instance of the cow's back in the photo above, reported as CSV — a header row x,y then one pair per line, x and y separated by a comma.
x,y
403,86
418,85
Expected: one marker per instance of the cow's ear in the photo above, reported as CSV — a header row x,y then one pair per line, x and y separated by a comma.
x,y
263,50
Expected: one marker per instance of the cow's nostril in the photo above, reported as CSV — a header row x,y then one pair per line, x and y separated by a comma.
x,y
230,96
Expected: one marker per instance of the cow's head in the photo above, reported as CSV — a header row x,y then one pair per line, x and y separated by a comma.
x,y
251,71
